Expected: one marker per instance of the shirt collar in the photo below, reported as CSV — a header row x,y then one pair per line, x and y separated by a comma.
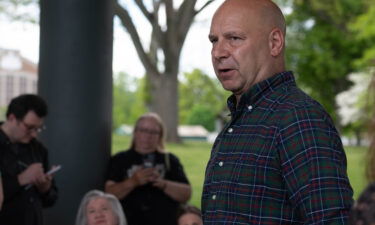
x,y
251,97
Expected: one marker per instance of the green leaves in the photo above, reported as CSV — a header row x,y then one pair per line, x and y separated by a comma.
x,y
202,99
321,47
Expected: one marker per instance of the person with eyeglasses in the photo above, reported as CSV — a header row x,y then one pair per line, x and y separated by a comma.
x,y
24,162
149,182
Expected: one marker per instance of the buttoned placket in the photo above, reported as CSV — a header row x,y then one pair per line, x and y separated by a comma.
x,y
229,130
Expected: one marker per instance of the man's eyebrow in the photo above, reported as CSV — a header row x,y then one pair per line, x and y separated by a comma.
x,y
236,33
211,36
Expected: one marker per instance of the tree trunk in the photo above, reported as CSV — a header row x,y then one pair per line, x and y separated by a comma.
x,y
164,85
164,94
358,137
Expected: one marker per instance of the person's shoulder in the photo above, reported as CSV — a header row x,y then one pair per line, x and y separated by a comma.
x,y
171,156
292,97
122,154
295,103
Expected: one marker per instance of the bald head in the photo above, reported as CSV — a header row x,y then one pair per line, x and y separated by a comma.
x,y
247,43
265,12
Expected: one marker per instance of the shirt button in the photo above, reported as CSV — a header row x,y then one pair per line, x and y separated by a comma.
x,y
213,197
230,130
250,107
221,163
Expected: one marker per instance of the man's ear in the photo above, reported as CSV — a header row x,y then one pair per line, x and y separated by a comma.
x,y
276,42
11,117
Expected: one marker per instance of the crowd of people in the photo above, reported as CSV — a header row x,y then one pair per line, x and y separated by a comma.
x,y
145,184
279,160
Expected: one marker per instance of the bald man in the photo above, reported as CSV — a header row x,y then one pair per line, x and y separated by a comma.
x,y
280,159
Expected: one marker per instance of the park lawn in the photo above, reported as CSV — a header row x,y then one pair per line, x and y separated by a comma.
x,y
356,157
195,154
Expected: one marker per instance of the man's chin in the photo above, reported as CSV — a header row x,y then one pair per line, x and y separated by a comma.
x,y
229,86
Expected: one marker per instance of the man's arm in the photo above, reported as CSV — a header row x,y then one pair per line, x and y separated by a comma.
x,y
314,166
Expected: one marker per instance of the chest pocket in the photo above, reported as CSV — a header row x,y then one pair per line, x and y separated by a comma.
x,y
248,154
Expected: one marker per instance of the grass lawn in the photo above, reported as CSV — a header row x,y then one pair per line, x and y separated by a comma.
x,y
356,168
194,156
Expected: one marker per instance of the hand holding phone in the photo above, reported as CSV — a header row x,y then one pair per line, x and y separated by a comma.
x,y
54,170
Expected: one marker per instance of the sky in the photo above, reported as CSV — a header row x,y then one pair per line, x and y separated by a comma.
x,y
195,54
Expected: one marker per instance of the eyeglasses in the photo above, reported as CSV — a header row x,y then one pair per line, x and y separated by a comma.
x,y
32,128
147,131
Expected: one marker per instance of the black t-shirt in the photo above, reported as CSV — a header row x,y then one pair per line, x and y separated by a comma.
x,y
147,205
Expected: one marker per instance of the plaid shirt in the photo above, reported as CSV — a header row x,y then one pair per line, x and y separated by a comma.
x,y
279,160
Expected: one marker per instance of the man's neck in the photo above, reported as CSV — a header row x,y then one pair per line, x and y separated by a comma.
x,y
5,128
238,98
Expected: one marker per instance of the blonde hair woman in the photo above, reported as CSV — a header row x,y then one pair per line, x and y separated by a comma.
x,y
149,182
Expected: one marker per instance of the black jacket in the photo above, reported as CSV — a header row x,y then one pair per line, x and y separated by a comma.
x,y
22,205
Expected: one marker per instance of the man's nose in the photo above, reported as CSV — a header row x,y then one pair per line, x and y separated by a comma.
x,y
220,50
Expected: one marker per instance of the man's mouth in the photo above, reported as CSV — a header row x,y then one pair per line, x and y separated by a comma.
x,y
224,70
225,73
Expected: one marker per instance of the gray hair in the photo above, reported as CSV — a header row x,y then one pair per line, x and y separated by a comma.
x,y
81,218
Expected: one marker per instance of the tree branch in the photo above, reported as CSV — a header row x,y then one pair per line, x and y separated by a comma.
x,y
144,10
204,6
157,32
186,14
127,22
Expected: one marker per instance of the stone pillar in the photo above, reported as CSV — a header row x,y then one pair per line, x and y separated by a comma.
x,y
75,78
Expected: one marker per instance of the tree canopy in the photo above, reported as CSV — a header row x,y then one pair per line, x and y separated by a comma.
x,y
321,47
202,100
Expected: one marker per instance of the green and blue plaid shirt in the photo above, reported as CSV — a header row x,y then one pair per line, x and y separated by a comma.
x,y
279,160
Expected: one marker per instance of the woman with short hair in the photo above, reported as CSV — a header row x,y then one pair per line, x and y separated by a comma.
x,y
102,208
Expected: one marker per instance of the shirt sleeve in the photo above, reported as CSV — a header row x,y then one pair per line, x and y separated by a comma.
x,y
313,165
176,170
50,197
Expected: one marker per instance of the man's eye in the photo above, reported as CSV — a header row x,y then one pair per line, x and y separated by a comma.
x,y
234,38
213,40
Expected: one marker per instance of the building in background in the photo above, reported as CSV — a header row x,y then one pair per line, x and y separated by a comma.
x,y
18,75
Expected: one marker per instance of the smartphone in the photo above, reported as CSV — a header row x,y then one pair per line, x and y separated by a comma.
x,y
54,170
